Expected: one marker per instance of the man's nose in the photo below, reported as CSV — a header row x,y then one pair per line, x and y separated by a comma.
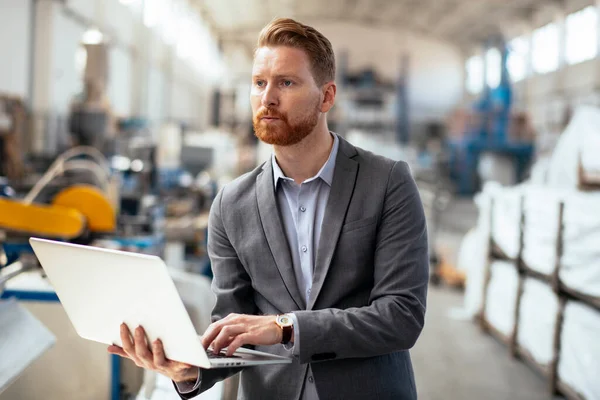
x,y
270,97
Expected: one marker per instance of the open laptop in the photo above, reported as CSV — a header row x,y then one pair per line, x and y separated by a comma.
x,y
100,289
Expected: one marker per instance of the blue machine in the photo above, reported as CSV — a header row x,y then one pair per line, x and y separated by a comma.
x,y
490,135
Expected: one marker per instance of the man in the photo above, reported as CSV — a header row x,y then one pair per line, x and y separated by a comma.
x,y
326,233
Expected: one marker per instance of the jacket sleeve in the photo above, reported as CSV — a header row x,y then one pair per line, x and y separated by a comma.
x,y
231,283
232,286
394,317
206,380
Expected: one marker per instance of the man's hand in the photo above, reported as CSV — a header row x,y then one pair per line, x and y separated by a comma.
x,y
237,330
152,357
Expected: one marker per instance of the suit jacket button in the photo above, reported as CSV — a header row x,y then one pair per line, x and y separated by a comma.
x,y
310,379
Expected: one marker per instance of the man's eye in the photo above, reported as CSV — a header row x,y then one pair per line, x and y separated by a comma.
x,y
260,83
287,83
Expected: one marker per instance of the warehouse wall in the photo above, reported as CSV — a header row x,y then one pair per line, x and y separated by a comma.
x,y
547,97
146,77
15,46
120,84
65,81
435,72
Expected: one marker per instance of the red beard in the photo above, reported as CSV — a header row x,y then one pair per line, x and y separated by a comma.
x,y
281,132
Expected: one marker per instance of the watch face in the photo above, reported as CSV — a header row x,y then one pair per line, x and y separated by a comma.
x,y
284,320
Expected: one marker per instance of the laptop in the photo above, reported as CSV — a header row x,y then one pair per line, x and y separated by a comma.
x,y
101,288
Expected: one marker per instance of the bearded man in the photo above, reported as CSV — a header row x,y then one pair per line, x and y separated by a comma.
x,y
319,254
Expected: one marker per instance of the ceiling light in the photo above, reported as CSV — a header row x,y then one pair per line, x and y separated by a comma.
x,y
93,36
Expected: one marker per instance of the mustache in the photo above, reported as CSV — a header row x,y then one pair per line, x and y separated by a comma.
x,y
268,112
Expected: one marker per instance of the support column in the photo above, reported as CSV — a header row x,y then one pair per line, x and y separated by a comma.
x,y
560,20
139,70
597,82
41,94
529,74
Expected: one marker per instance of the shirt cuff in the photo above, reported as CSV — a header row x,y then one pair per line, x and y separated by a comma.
x,y
294,346
188,387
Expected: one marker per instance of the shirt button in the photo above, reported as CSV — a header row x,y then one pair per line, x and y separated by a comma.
x,y
310,379
302,208
304,249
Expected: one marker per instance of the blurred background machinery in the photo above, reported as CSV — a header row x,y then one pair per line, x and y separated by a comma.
x,y
496,146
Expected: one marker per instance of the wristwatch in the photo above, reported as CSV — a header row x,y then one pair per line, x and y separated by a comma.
x,y
286,323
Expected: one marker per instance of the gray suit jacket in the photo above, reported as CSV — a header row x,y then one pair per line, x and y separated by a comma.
x,y
367,306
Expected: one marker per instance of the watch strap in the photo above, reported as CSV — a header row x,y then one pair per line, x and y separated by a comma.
x,y
286,336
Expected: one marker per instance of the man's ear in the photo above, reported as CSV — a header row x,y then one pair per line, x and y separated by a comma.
x,y
329,90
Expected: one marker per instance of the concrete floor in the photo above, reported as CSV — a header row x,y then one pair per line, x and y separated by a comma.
x,y
453,359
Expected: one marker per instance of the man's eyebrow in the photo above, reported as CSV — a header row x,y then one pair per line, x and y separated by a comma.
x,y
278,76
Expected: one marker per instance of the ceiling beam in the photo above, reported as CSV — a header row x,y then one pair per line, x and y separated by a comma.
x,y
242,33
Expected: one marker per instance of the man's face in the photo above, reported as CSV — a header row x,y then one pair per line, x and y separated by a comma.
x,y
286,101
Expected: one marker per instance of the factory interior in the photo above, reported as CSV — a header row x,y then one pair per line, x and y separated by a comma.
x,y
122,120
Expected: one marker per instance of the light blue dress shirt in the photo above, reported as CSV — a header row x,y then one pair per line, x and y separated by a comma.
x,y
302,209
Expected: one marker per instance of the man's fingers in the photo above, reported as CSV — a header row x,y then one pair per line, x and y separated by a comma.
x,y
126,340
227,334
117,350
129,346
238,342
215,328
231,317
158,351
141,346
211,333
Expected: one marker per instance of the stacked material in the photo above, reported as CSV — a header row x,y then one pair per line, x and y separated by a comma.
x,y
579,365
501,298
579,266
501,207
577,231
538,315
575,163
544,263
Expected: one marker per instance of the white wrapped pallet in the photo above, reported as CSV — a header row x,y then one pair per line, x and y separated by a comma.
x,y
472,258
579,363
501,297
580,260
506,216
538,314
577,147
541,208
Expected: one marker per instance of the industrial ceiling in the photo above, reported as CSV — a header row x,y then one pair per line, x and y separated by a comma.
x,y
460,22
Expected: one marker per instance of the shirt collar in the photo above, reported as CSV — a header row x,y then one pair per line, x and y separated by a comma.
x,y
325,173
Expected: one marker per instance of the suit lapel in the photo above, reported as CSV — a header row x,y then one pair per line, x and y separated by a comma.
x,y
342,187
273,228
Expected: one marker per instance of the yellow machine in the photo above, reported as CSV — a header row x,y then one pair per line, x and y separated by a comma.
x,y
73,212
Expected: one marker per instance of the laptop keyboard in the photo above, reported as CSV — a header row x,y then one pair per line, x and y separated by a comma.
x,y
222,354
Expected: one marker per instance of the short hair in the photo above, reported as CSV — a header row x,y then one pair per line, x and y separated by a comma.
x,y
287,32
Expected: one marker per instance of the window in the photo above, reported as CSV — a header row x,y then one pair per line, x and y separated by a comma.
x,y
518,52
153,12
134,5
474,69
545,49
493,67
175,12
581,35
176,23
